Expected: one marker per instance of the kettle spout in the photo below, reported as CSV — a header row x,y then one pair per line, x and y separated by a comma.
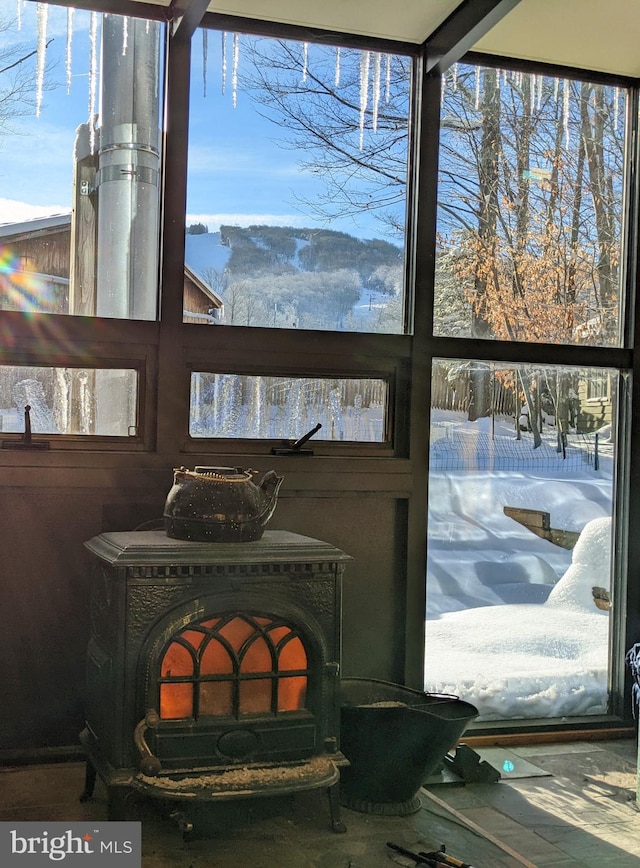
x,y
270,484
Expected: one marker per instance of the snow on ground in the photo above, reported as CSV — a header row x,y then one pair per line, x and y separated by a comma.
x,y
511,623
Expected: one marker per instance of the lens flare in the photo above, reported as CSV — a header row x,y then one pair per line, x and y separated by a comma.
x,y
25,290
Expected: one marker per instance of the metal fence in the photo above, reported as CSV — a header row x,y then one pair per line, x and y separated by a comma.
x,y
454,447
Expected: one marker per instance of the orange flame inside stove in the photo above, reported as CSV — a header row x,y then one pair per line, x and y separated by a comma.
x,y
233,666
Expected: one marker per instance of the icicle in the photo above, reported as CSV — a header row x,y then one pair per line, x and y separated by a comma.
x,y
443,86
93,77
387,80
125,36
616,96
234,71
532,92
365,61
565,113
336,79
305,59
224,62
42,12
19,14
68,51
205,47
539,97
556,87
477,97
377,74
454,77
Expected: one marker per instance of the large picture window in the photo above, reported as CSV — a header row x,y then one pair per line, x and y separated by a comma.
x,y
80,97
520,538
530,213
297,179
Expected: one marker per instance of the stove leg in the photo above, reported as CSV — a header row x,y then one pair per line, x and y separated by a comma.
x,y
334,808
89,781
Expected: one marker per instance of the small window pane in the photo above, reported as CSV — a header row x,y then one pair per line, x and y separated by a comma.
x,y
292,693
91,401
216,698
255,696
176,701
257,657
530,213
292,655
297,181
216,659
238,406
176,661
81,96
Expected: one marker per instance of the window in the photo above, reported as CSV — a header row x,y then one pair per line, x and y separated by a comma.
x,y
297,179
530,210
69,401
524,458
236,405
521,498
81,95
598,389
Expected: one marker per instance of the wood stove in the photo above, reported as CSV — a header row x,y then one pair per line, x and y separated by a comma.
x,y
213,668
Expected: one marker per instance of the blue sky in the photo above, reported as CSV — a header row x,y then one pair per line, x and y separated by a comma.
x,y
234,161
237,173
42,182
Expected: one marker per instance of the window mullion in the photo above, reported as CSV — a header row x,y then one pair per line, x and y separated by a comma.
x,y
173,382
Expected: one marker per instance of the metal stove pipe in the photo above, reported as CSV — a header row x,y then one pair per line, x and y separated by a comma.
x,y
127,179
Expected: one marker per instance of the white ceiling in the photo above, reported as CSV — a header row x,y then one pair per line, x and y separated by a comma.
x,y
601,35
406,20
590,34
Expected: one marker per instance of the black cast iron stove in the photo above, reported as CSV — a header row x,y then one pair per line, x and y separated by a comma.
x,y
213,668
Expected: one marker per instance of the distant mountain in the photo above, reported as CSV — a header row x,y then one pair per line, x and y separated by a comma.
x,y
205,251
284,249
305,278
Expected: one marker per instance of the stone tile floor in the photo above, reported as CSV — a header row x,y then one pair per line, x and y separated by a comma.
x,y
582,814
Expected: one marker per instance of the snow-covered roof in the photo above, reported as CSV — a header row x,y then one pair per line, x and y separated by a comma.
x,y
203,286
37,224
26,228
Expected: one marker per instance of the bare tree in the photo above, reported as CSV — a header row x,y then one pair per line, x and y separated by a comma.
x,y
530,179
541,232
217,278
315,93
18,96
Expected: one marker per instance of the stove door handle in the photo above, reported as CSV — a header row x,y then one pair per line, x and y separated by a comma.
x,y
149,763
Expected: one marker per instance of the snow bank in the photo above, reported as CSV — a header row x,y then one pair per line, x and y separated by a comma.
x,y
531,660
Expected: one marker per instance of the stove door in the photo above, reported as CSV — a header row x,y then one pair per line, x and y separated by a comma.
x,y
234,687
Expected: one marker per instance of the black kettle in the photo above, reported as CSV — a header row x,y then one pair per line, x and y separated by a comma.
x,y
220,504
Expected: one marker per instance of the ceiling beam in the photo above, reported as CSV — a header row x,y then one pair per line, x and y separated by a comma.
x,y
461,30
185,17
